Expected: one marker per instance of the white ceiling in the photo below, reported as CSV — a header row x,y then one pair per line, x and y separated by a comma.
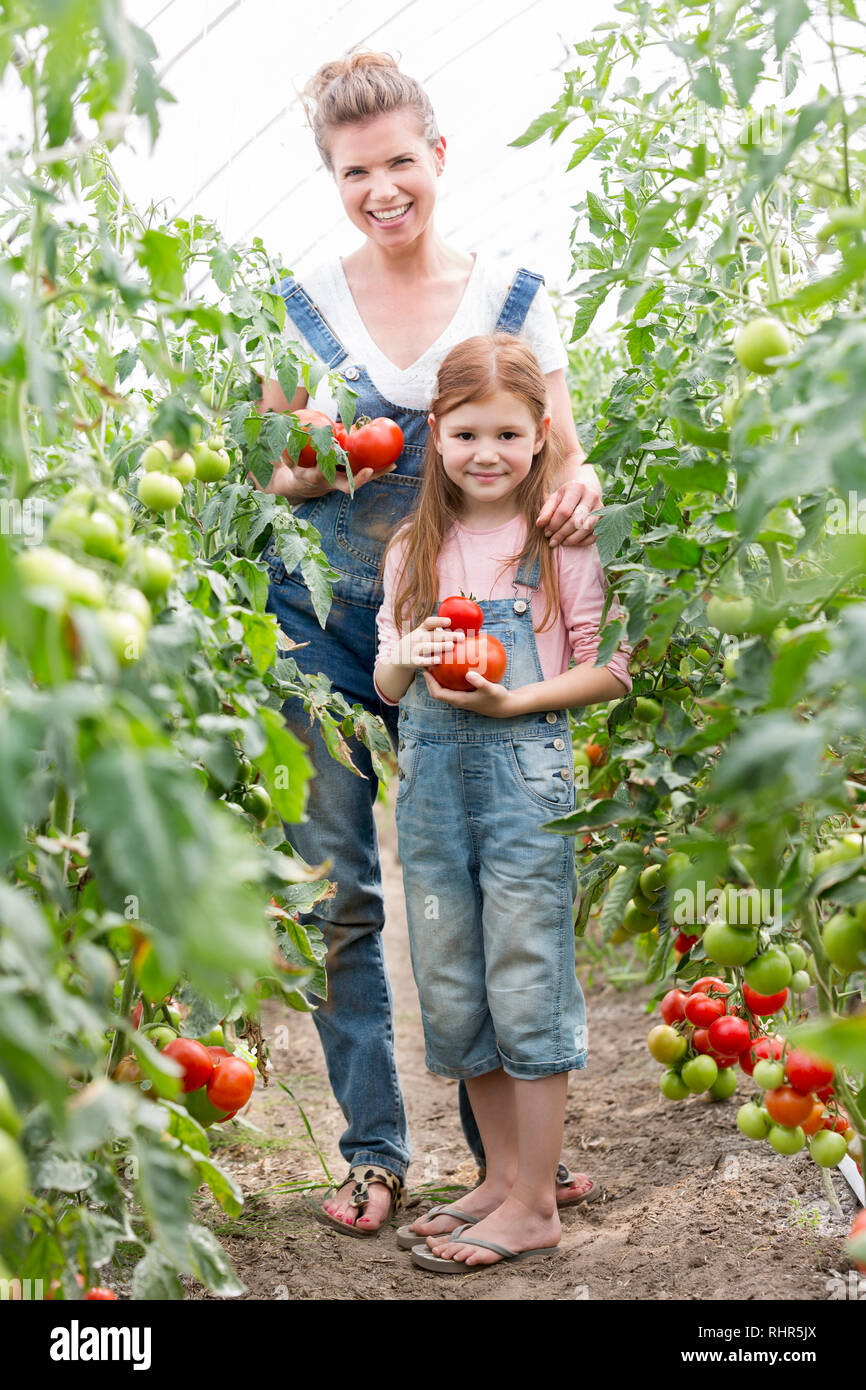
x,y
235,146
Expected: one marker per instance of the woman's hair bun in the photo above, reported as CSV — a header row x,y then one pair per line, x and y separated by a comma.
x,y
358,87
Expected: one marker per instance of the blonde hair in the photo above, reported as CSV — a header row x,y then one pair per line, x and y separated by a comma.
x,y
359,87
473,371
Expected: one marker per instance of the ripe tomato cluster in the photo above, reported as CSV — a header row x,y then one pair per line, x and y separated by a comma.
x,y
474,650
215,1083
798,1104
369,443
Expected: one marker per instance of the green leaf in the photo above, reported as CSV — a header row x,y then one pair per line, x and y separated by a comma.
x,y
315,571
285,766
745,66
584,145
675,553
706,88
620,889
210,1263
790,16
587,309
155,1277
161,255
843,1040
614,526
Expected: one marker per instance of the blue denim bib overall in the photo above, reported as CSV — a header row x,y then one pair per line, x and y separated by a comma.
x,y
489,895
355,1024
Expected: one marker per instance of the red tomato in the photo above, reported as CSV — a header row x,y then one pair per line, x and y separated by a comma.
x,y
702,1011
595,753
193,1057
374,444
231,1084
838,1122
218,1052
815,1120
480,652
672,1006
808,1073
824,1092
762,1005
465,613
99,1293
788,1106
764,1047
308,458
684,943
701,1043
729,1035
708,984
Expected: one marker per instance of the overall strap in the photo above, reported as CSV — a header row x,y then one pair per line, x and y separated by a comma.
x,y
521,293
308,319
528,574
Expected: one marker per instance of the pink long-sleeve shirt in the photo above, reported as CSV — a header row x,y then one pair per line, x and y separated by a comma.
x,y
474,562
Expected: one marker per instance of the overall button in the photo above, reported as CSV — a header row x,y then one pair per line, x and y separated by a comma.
x,y
566,774
400,745
520,605
551,717
403,714
351,373
559,743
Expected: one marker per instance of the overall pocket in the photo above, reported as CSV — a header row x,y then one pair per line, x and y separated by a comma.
x,y
366,522
538,766
408,750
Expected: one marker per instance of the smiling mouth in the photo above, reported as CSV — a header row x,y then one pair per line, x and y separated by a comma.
x,y
387,215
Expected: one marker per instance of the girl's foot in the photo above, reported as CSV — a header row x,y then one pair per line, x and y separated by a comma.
x,y
512,1225
481,1201
368,1218
568,1194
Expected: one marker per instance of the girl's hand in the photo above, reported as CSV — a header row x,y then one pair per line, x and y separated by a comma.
x,y
426,645
485,698
565,515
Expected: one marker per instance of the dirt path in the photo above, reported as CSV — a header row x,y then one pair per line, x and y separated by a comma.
x,y
693,1210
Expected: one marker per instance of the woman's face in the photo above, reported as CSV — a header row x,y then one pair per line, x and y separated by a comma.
x,y
384,167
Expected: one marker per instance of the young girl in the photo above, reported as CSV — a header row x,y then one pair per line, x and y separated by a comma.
x,y
489,894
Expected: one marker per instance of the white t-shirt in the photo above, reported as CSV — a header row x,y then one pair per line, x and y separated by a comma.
x,y
414,386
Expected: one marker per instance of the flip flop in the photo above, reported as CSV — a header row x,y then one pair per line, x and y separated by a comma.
x,y
407,1240
362,1174
423,1256
591,1194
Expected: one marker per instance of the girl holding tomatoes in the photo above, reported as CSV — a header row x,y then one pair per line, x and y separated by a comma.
x,y
383,318
489,893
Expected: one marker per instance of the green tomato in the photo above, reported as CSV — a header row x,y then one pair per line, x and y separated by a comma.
x,y
581,758
102,536
215,1038
159,1035
753,1121
837,852
769,972
666,1045
256,802
827,1148
800,981
126,635
160,492
724,1085
651,881
785,1140
758,341
730,614
42,567
183,468
672,1086
152,570
201,1109
845,942
700,1073
796,955
677,862
768,1075
9,1117
211,464
647,711
730,945
636,922
13,1180
730,406
859,910
156,456
134,601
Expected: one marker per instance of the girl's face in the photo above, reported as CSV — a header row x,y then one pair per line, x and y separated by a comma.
x,y
386,173
487,448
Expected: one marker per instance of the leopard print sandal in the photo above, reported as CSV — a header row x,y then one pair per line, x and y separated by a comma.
x,y
362,1174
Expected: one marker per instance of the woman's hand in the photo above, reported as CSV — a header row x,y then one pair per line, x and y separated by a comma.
x,y
565,515
485,698
302,484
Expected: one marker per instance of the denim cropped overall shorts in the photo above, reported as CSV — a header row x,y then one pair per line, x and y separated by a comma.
x,y
355,1023
489,894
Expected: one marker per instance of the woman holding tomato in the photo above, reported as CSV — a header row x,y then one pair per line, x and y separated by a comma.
x,y
384,318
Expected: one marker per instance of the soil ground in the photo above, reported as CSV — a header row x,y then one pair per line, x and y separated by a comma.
x,y
692,1210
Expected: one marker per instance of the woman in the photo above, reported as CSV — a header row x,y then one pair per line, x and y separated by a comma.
x,y
384,318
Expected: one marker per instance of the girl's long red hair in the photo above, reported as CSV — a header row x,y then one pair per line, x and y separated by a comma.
x,y
473,371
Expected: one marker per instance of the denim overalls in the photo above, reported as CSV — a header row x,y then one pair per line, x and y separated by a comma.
x,y
355,1024
489,895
